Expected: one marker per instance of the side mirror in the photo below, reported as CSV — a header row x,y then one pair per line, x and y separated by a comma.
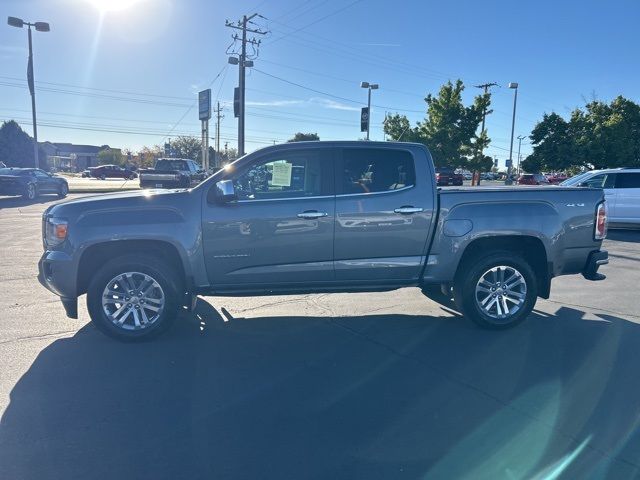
x,y
225,191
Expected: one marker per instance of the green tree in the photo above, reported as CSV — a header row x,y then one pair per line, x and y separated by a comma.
x,y
602,135
532,164
111,156
450,129
398,128
187,147
304,137
16,146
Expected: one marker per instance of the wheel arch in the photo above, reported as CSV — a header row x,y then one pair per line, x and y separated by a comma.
x,y
529,247
95,256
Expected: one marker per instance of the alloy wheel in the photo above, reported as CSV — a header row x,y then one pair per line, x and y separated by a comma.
x,y
501,292
133,301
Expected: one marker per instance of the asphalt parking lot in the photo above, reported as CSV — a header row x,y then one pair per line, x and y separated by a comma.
x,y
372,385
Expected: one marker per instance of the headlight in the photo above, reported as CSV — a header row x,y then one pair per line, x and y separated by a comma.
x,y
55,231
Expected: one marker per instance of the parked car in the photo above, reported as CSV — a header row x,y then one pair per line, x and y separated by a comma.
x,y
621,189
556,178
280,221
533,179
172,173
31,182
447,176
112,171
86,173
467,175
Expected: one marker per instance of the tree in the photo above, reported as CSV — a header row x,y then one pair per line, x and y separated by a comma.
x,y
110,156
399,129
147,156
304,137
187,147
532,164
449,129
602,135
16,146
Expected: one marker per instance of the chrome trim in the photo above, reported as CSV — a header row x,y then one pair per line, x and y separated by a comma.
x,y
375,193
285,199
602,262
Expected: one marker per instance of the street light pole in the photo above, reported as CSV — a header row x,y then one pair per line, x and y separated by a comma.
x,y
520,138
369,86
513,85
40,27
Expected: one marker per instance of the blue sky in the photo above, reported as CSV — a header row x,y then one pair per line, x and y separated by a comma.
x,y
129,77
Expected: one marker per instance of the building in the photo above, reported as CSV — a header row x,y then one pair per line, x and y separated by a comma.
x,y
69,157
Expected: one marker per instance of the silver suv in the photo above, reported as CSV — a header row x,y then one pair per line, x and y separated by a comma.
x,y
621,190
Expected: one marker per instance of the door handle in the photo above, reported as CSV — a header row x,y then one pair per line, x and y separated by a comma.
x,y
311,214
408,209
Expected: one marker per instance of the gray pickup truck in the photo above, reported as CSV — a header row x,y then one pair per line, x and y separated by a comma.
x,y
319,217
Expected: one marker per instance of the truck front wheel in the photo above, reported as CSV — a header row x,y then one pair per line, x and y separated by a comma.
x,y
133,297
496,291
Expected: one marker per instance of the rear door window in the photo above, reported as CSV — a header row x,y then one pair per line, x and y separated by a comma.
x,y
628,180
374,170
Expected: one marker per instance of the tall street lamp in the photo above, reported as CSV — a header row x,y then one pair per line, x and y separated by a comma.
x,y
520,138
369,86
513,85
40,27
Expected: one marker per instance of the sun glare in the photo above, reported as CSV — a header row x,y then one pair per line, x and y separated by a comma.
x,y
112,5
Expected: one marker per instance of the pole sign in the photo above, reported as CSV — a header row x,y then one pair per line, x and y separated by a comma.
x,y
364,119
508,163
167,149
204,104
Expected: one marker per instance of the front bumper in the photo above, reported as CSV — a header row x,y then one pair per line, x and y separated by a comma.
x,y
57,273
595,259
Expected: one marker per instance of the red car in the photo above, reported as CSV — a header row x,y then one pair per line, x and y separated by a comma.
x,y
556,178
533,179
447,176
112,171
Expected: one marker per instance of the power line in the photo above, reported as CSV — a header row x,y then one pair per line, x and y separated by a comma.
x,y
304,27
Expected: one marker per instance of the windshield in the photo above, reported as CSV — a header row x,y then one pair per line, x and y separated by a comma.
x,y
575,180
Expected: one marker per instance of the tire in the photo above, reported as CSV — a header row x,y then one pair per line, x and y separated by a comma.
x,y
102,177
31,192
158,304
63,190
519,297
132,177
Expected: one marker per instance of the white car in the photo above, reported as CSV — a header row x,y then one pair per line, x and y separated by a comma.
x,y
621,190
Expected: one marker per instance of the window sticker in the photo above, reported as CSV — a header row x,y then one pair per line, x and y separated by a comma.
x,y
281,175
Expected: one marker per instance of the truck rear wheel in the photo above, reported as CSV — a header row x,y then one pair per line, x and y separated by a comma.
x,y
133,297
496,291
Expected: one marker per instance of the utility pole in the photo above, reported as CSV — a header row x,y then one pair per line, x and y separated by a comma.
x,y
520,138
219,117
242,63
485,87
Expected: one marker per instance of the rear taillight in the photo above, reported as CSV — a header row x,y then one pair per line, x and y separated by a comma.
x,y
602,222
